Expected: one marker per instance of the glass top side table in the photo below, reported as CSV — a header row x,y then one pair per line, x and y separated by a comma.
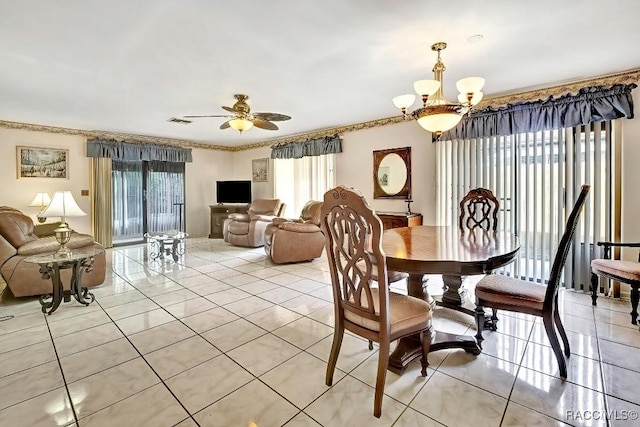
x,y
81,260
166,243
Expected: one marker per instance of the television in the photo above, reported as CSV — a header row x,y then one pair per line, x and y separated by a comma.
x,y
233,192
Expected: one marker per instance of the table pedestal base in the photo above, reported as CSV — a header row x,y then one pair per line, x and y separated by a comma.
x,y
410,348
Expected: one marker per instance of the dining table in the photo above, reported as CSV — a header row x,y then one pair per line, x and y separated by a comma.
x,y
452,253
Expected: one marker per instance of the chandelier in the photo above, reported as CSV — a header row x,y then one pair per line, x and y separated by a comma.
x,y
437,113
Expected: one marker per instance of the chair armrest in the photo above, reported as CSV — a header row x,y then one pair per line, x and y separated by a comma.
x,y
300,227
609,245
264,218
240,217
278,220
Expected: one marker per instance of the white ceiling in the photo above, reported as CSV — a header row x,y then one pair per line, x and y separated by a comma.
x,y
127,66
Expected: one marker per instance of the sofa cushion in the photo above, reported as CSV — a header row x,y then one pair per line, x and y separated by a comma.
x,y
49,244
265,206
311,212
17,228
238,227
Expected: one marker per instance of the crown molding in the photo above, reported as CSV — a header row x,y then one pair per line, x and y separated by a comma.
x,y
624,77
130,138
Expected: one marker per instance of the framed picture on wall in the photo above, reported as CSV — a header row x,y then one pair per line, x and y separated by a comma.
x,y
260,170
35,162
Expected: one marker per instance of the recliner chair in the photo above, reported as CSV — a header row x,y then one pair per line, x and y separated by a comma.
x,y
248,229
288,240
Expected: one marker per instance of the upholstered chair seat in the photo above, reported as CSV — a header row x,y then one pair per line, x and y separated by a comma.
x,y
506,290
629,270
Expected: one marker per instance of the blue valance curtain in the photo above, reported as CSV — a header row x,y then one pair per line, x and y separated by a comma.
x,y
126,151
311,147
591,104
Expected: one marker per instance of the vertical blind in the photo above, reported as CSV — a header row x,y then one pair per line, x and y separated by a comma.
x,y
536,177
296,181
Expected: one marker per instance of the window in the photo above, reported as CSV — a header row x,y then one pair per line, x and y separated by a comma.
x,y
297,181
536,177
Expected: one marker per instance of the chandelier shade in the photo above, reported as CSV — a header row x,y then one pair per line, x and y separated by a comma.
x,y
241,124
437,114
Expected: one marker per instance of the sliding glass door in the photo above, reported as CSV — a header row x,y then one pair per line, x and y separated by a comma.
x,y
147,197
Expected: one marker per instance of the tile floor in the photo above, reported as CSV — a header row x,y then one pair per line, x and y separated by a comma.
x,y
225,338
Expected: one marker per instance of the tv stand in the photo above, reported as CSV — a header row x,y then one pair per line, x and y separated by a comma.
x,y
219,213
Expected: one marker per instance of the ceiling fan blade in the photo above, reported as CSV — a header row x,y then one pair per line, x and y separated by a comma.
x,y
272,117
263,124
225,125
198,117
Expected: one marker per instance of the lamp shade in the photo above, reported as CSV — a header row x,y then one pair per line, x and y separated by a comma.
x,y
41,200
426,87
63,205
439,122
404,101
470,84
241,124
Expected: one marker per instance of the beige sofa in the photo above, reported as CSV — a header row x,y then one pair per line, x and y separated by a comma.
x,y
248,229
287,240
19,239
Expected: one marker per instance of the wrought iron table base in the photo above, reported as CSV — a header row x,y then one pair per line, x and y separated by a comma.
x,y
51,270
162,247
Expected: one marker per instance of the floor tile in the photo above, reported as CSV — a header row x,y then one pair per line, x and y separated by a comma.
x,y
621,413
77,324
160,336
622,383
131,309
620,355
227,296
233,334
302,420
486,372
248,306
74,343
19,323
349,402
143,321
252,405
305,304
206,383
14,340
258,287
209,319
520,416
179,357
154,406
413,418
263,353
273,317
450,401
304,332
88,362
190,307
353,351
285,379
554,397
99,391
49,409
280,294
29,383
26,357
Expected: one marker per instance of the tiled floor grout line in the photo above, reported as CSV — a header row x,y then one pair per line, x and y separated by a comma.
x,y
64,379
154,371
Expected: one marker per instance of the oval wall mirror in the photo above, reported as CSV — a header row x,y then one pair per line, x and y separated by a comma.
x,y
392,173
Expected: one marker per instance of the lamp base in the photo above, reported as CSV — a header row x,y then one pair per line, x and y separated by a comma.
x,y
63,235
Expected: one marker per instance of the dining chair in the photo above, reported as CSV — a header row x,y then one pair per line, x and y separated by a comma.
x,y
622,271
511,294
353,234
479,208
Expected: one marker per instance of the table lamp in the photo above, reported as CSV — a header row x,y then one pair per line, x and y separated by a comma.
x,y
41,201
63,205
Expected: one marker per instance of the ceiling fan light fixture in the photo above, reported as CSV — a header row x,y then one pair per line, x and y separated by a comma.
x,y
240,124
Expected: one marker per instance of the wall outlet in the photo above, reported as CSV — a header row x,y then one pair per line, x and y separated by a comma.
x,y
84,192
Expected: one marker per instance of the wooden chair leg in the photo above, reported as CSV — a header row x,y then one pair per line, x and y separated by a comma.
x,y
594,288
560,327
383,364
479,316
333,356
425,339
494,319
555,344
635,297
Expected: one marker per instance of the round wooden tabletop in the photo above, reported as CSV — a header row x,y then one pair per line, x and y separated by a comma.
x,y
445,250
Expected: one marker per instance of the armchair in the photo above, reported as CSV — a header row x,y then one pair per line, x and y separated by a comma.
x,y
248,229
622,271
287,241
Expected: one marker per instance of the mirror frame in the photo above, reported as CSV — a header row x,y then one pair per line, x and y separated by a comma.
x,y
405,155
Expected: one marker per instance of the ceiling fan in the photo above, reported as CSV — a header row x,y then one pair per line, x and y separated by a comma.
x,y
242,118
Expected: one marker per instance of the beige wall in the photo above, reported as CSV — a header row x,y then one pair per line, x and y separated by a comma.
x,y
354,167
242,167
208,166
19,192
